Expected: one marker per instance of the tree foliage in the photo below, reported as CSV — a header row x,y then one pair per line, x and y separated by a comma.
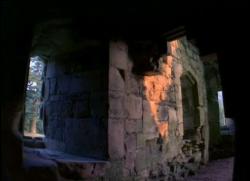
x,y
33,124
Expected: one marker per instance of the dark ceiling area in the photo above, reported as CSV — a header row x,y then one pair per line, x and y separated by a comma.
x,y
213,28
207,25
219,29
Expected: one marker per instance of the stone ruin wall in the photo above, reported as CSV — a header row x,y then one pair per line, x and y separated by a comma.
x,y
144,119
145,116
75,90
75,108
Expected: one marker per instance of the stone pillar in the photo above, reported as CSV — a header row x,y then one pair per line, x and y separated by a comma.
x,y
76,101
212,88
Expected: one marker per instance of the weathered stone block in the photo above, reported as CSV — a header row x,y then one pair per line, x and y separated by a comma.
x,y
79,84
201,114
133,84
63,84
131,125
173,46
54,69
139,125
81,109
172,115
51,108
52,86
134,107
140,141
141,160
167,60
79,131
126,174
59,108
155,95
189,52
65,109
167,69
149,124
197,156
162,113
147,110
116,81
178,69
116,139
155,87
58,134
118,55
152,150
181,129
172,95
130,142
179,53
130,160
144,174
117,107
115,171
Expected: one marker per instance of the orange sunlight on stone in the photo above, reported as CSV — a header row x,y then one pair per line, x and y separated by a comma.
x,y
156,88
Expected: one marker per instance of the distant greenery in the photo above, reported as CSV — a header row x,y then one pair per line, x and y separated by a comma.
x,y
33,124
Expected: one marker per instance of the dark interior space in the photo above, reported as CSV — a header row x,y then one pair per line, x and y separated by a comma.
x,y
190,104
221,29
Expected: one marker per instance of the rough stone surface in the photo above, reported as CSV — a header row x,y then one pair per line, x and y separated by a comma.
x,y
117,107
153,124
75,104
134,107
116,82
141,160
133,84
118,55
131,126
116,138
136,121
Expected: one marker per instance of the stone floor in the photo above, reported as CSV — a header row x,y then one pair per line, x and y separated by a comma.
x,y
217,170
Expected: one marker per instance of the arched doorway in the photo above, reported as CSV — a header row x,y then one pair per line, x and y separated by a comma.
x,y
190,95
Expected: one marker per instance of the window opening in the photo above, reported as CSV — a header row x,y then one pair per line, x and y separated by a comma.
x,y
33,125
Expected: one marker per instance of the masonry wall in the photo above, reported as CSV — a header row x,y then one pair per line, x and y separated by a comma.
x,y
75,90
75,106
146,116
95,106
